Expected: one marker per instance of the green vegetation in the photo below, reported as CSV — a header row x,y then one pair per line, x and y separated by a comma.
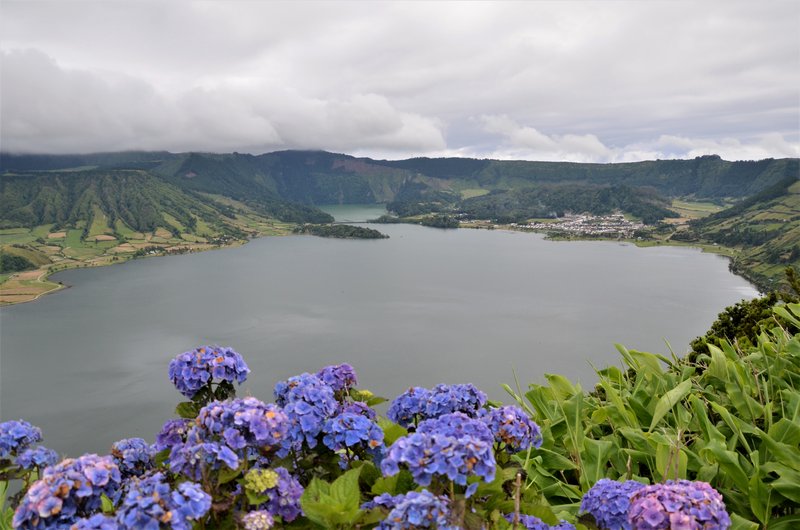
x,y
764,229
340,231
12,263
730,417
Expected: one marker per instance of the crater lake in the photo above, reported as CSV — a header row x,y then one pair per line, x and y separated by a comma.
x,y
89,364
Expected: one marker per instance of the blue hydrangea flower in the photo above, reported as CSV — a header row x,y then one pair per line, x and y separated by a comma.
x,y
97,521
418,404
68,491
258,520
418,510
446,399
358,407
677,505
16,436
406,408
457,425
37,457
530,522
240,423
384,500
352,431
512,427
284,497
151,502
308,402
172,433
340,377
451,451
134,456
192,370
191,459
608,501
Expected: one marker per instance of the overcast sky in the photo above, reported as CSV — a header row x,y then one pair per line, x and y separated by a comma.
x,y
583,81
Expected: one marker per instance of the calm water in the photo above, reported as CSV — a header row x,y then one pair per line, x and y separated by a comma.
x,y
89,364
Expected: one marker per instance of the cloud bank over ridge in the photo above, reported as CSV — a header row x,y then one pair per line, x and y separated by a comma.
x,y
593,82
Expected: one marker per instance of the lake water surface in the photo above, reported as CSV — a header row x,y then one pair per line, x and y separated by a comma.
x,y
89,364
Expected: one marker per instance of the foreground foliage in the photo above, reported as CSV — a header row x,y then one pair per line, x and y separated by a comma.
x,y
707,443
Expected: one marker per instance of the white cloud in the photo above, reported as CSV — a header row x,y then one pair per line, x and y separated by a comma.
x,y
587,80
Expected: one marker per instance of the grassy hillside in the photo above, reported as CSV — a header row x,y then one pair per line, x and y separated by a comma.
x,y
764,228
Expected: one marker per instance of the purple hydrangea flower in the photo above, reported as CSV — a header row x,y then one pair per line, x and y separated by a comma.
x,y
16,436
511,426
352,431
97,521
151,502
340,377
680,505
258,520
240,423
68,491
457,425
608,502
192,370
446,399
454,446
406,408
134,456
37,457
308,402
191,459
530,522
358,407
418,404
384,500
172,433
284,498
418,510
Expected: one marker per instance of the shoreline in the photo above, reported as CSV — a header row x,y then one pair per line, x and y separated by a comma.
x,y
44,274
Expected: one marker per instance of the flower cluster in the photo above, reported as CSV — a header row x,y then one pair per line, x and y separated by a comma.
x,y
340,377
192,459
418,510
16,436
134,456
678,504
352,431
172,433
358,407
68,491
530,522
192,370
512,427
151,501
37,457
608,502
454,446
283,498
241,423
417,404
97,521
308,402
258,520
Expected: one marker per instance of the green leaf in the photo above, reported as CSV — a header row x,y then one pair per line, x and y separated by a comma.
x,y
669,400
595,459
787,522
345,490
187,410
759,499
227,474
106,505
740,523
391,431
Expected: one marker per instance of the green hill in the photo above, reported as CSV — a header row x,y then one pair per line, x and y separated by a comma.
x,y
765,228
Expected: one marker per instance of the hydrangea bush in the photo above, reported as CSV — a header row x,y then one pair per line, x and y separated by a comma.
x,y
322,456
